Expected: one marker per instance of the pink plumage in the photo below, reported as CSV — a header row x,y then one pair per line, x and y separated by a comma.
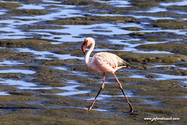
x,y
108,62
105,62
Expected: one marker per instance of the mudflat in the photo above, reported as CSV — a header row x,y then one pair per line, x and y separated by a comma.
x,y
43,78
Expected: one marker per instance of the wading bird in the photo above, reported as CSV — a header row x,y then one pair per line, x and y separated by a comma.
x,y
105,62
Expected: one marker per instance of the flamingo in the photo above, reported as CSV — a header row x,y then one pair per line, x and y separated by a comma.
x,y
105,62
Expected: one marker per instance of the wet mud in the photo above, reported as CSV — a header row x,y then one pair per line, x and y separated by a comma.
x,y
43,78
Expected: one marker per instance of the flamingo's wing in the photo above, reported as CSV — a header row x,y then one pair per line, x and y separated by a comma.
x,y
106,61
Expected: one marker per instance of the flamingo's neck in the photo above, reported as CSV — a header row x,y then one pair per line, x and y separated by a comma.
x,y
86,59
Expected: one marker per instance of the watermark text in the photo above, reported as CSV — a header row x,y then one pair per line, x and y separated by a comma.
x,y
161,119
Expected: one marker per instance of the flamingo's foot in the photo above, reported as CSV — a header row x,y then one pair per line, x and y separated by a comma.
x,y
88,109
131,111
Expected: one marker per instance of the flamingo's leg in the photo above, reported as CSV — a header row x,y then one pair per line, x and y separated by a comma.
x,y
120,86
103,85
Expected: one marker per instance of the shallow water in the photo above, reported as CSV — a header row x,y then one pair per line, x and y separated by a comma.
x,y
17,83
42,54
76,30
71,87
8,62
182,2
81,84
17,71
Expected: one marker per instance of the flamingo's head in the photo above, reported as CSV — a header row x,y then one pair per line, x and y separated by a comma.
x,y
88,41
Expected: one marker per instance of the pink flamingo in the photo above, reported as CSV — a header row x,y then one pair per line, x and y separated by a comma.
x,y
105,62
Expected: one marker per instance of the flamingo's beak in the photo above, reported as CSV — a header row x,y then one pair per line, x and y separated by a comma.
x,y
84,47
